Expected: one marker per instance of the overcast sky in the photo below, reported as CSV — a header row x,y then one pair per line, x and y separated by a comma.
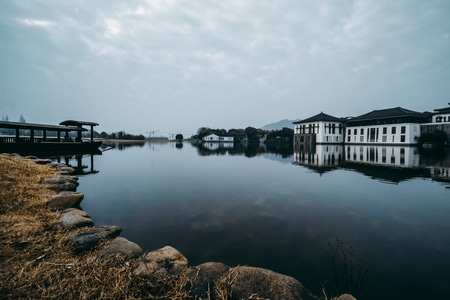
x,y
177,65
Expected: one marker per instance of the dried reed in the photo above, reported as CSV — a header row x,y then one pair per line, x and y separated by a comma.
x,y
35,261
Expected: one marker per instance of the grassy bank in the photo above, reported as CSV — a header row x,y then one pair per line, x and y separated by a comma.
x,y
35,261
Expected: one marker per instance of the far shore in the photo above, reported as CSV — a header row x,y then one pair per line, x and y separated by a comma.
x,y
139,141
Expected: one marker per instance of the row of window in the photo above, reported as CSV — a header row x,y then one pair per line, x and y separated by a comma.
x,y
385,129
328,129
332,129
442,119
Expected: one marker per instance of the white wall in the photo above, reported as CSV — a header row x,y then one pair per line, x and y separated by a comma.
x,y
404,133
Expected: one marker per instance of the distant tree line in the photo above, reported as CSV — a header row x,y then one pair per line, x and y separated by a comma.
x,y
121,135
283,135
252,134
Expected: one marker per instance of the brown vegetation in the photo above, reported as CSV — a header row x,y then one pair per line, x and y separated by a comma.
x,y
35,261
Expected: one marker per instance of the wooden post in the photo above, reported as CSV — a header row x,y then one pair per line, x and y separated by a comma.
x,y
17,135
32,136
79,134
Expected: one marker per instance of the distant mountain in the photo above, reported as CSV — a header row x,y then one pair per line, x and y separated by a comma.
x,y
279,125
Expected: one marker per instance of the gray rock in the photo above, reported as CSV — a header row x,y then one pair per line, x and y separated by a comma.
x,y
75,218
257,283
62,172
345,297
62,179
64,200
121,247
85,241
204,277
161,263
65,169
41,161
70,178
67,186
63,182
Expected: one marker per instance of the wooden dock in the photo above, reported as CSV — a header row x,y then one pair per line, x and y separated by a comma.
x,y
29,138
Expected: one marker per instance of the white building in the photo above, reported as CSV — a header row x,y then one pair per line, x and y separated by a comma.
x,y
319,129
218,138
440,121
392,126
441,115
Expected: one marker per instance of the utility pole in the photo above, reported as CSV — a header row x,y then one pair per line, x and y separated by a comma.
x,y
152,132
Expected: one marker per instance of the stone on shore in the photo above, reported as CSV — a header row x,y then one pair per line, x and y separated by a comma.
x,y
75,218
345,297
257,283
67,186
65,169
42,161
62,183
161,263
64,200
62,179
121,247
85,241
204,277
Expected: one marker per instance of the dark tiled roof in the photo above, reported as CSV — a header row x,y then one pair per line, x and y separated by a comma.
x,y
319,117
77,123
29,126
395,112
443,110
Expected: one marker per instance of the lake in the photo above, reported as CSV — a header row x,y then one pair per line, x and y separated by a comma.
x,y
288,210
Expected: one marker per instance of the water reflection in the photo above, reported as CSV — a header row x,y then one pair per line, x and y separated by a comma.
x,y
108,145
385,163
248,149
217,205
82,163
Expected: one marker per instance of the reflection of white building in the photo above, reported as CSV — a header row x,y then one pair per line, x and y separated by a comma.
x,y
216,145
389,156
440,173
319,129
319,155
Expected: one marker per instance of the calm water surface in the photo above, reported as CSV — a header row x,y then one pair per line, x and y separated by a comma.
x,y
275,211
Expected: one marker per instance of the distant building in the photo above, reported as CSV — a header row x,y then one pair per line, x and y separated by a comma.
x,y
218,138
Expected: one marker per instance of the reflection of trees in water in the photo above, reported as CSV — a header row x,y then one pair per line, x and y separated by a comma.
x,y
439,156
123,146
248,150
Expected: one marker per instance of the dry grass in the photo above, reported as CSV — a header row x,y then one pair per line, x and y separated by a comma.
x,y
223,287
35,261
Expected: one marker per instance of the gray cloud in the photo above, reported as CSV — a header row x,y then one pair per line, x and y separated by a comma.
x,y
179,65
